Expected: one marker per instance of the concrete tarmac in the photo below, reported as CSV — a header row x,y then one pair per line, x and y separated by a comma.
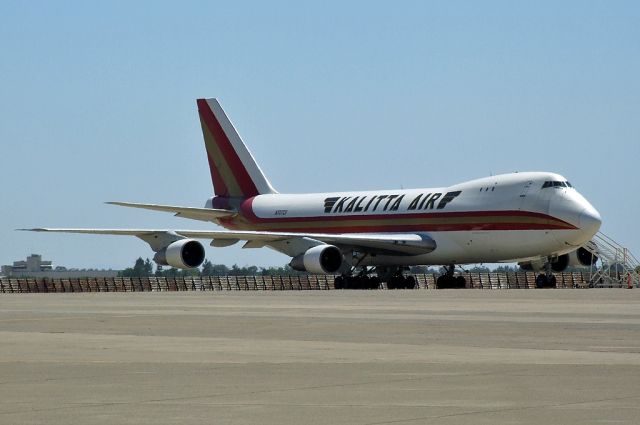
x,y
321,357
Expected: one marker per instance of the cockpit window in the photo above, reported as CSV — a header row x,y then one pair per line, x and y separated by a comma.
x,y
556,183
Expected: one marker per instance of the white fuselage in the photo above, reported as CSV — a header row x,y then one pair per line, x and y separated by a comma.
x,y
500,218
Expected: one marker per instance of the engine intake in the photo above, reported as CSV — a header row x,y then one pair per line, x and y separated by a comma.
x,y
322,259
561,263
182,254
581,257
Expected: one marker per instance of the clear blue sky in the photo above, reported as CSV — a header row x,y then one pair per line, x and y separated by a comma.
x,y
98,104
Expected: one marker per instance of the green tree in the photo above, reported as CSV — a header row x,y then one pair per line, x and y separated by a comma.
x,y
174,272
190,272
141,268
235,270
506,269
479,269
285,270
420,269
147,268
171,272
207,268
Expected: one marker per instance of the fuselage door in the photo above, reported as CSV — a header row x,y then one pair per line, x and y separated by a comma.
x,y
523,195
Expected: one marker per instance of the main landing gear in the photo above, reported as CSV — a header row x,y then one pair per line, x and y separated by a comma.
x,y
392,276
399,281
395,278
448,280
546,279
360,281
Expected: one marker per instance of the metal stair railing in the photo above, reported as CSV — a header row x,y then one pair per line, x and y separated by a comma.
x,y
619,267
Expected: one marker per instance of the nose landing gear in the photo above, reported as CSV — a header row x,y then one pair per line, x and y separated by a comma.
x,y
449,281
546,279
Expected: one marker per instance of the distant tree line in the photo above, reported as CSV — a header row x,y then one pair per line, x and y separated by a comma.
x,y
474,269
145,268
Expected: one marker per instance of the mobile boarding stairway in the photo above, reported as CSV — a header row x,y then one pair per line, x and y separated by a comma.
x,y
618,266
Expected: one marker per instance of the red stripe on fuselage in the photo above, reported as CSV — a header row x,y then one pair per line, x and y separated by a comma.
x,y
407,228
231,157
353,223
246,209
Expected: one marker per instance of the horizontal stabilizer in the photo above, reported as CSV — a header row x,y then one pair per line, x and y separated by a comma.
x,y
204,214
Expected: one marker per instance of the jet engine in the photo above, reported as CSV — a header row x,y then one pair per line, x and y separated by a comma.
x,y
532,266
578,258
181,254
560,264
581,257
322,259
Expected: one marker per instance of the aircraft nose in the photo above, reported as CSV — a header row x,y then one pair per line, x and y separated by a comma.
x,y
590,220
573,208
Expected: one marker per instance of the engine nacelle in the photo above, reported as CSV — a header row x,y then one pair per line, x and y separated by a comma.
x,y
322,259
560,264
182,254
581,257
532,266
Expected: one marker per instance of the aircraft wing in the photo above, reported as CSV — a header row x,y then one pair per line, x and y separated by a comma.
x,y
395,243
204,214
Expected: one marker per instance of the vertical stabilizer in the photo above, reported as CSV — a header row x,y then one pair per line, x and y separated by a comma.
x,y
234,171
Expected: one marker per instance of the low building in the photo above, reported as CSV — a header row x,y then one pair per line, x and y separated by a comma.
x,y
35,267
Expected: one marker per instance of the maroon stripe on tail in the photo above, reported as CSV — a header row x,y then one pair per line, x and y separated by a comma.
x,y
219,186
245,182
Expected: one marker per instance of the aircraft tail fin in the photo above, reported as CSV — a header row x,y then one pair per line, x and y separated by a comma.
x,y
234,171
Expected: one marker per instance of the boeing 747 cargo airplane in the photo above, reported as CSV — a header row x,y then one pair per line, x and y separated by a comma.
x,y
537,219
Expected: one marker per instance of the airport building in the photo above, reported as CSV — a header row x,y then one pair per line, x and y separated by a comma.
x,y
35,267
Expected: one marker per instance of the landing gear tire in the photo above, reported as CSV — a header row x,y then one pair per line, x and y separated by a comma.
x,y
451,282
544,281
410,282
374,282
401,282
356,282
392,283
